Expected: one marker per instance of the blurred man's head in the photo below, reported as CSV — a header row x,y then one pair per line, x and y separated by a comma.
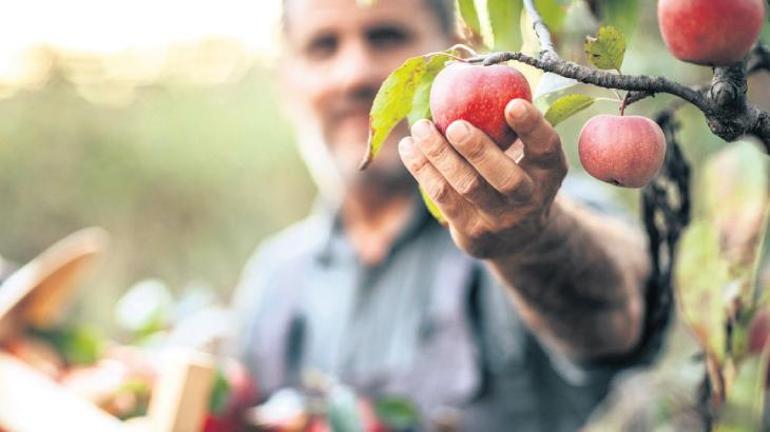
x,y
337,53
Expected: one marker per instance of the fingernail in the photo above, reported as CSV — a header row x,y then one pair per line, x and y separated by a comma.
x,y
517,109
421,129
457,131
406,147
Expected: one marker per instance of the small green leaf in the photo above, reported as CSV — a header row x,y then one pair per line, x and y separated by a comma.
x,y
504,17
220,393
432,207
567,106
395,99
470,15
397,413
607,49
551,87
421,99
78,345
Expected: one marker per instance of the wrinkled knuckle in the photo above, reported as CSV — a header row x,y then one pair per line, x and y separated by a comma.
x,y
470,185
473,149
551,155
435,150
441,191
513,185
418,164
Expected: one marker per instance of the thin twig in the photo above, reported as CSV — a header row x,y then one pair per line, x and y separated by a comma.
x,y
540,28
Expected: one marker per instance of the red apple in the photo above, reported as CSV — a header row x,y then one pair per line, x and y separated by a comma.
x,y
622,150
478,94
710,32
243,390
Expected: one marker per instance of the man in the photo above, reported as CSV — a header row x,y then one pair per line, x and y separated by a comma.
x,y
515,317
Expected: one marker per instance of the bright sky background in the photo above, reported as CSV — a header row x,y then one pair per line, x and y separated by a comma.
x,y
112,26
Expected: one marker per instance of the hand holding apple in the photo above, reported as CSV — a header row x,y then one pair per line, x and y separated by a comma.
x,y
478,94
493,204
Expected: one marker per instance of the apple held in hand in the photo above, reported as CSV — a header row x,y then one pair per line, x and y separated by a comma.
x,y
710,32
478,94
622,150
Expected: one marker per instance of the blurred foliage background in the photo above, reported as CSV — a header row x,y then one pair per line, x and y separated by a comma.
x,y
187,171
180,151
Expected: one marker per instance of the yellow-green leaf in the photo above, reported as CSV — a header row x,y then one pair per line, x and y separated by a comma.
x,y
432,207
470,15
421,100
553,13
607,49
504,16
567,106
395,99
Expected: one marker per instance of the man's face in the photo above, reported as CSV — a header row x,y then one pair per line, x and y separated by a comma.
x,y
338,53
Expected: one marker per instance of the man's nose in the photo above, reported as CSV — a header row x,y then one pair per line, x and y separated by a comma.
x,y
357,68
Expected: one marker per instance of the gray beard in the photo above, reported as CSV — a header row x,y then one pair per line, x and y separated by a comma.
x,y
334,178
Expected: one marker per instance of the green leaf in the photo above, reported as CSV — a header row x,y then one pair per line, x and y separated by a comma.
x,y
78,345
395,98
220,393
470,15
701,279
567,106
432,207
504,17
607,49
743,410
553,13
551,87
623,14
421,99
397,413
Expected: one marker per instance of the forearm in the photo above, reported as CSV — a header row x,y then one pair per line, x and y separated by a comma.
x,y
579,284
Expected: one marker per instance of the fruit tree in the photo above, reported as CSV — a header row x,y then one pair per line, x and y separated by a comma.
x,y
708,261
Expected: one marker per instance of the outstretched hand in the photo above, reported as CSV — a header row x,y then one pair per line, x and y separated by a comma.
x,y
494,205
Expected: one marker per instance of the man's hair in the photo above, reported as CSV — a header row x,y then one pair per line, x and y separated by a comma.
x,y
444,10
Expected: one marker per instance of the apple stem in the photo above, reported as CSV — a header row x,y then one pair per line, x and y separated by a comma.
x,y
624,104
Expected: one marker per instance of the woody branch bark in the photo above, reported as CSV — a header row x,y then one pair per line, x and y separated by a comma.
x,y
728,113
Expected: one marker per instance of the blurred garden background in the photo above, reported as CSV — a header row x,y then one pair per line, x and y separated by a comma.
x,y
161,122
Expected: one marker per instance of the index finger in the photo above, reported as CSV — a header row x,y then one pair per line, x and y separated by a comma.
x,y
542,145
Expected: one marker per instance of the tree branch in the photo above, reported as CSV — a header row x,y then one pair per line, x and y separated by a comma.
x,y
724,104
639,83
540,28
